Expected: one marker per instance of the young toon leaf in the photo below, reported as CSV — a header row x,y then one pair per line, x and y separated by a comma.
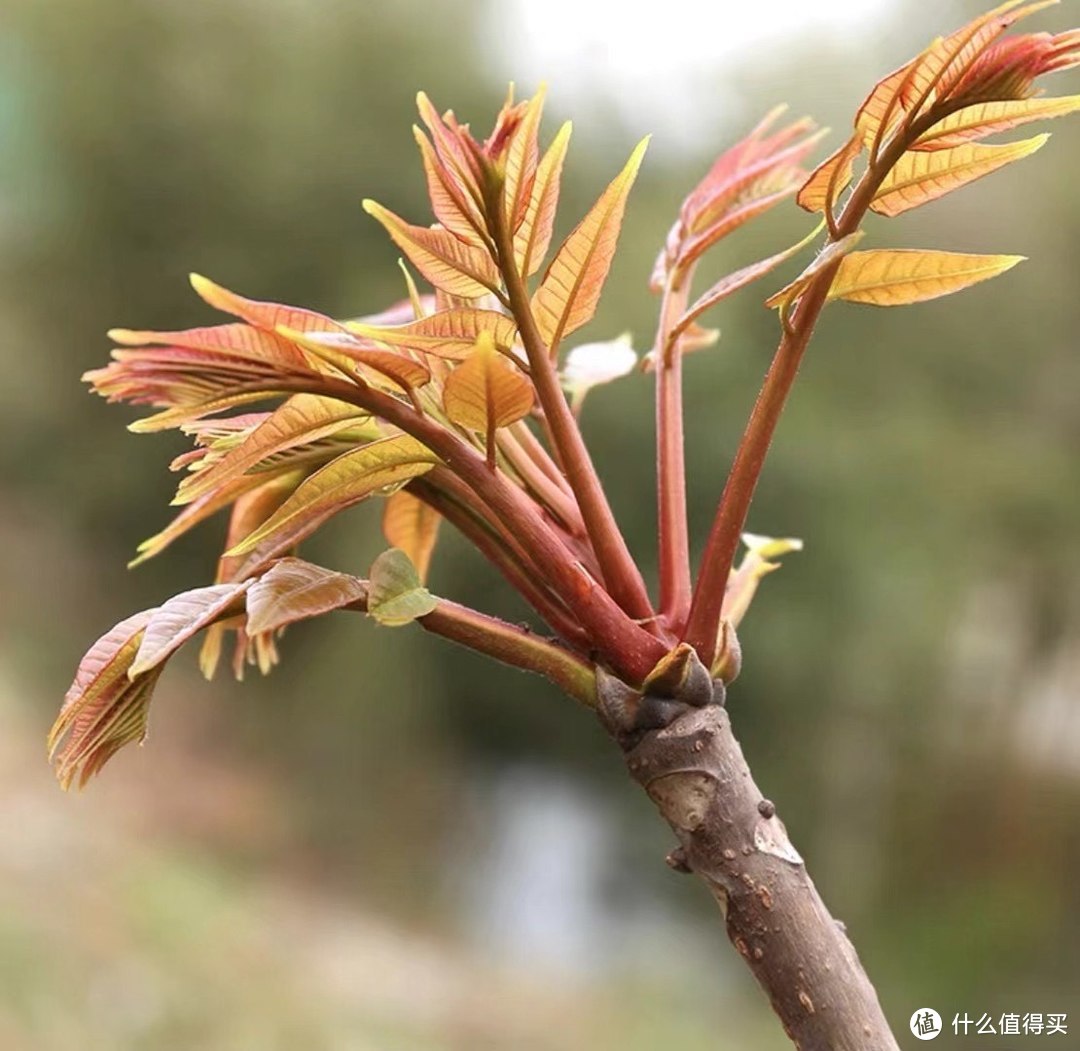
x,y
756,564
447,334
453,207
413,526
485,392
395,594
343,482
447,262
302,419
990,118
181,617
732,283
830,178
533,237
209,504
570,290
103,709
824,259
266,316
920,177
235,339
449,140
351,357
521,162
249,512
746,181
895,277
947,59
293,590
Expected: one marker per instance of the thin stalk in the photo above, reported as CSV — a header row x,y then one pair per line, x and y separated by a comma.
x,y
629,649
513,563
514,646
620,573
674,542
703,625
510,645
534,478
539,455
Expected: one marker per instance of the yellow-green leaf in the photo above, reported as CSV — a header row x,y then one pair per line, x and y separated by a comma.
x,y
395,594
301,419
343,482
756,564
822,261
448,333
413,526
989,118
894,277
209,504
570,290
922,176
486,392
447,262
533,236
293,590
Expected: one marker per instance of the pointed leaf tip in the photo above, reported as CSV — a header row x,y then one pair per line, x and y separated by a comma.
x,y
896,277
570,291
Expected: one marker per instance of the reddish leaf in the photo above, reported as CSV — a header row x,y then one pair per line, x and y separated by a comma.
x,y
453,207
181,617
731,283
447,262
533,236
521,162
266,316
205,506
102,709
293,590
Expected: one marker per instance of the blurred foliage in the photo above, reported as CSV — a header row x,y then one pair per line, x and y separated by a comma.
x,y
911,680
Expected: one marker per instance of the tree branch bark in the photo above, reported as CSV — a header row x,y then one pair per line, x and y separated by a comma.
x,y
731,838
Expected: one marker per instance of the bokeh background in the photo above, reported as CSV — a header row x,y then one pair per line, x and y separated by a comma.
x,y
389,844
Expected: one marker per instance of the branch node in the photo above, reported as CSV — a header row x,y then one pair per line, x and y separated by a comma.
x,y
677,861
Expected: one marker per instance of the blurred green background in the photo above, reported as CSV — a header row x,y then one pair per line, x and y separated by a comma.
x,y
389,844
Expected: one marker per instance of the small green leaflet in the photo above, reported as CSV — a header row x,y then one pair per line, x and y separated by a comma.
x,y
395,594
